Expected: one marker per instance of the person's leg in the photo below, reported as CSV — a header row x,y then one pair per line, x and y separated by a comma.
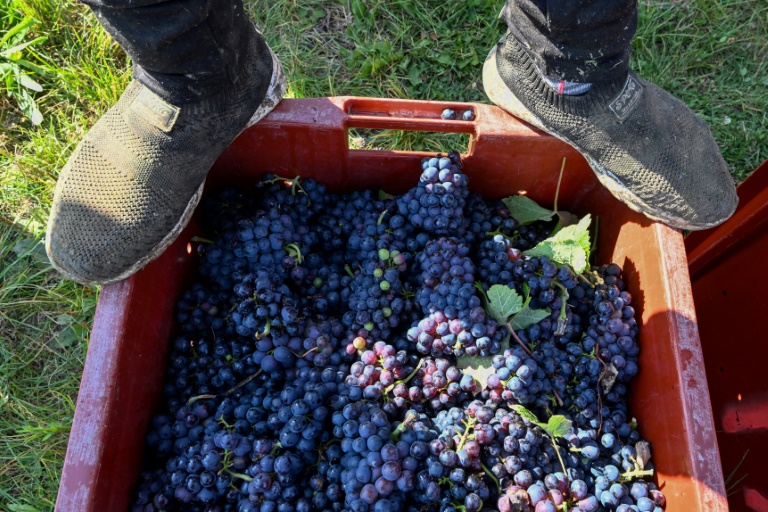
x,y
645,146
581,41
202,72
181,49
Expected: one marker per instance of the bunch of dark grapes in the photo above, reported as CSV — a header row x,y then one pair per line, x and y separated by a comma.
x,y
538,278
379,370
436,205
200,311
518,379
613,330
269,240
457,323
205,365
300,199
325,288
351,212
223,208
379,463
375,296
496,257
438,384
295,384
283,355
265,304
455,475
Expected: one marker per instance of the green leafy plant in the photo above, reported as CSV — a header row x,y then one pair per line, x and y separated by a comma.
x,y
507,307
525,210
16,70
571,245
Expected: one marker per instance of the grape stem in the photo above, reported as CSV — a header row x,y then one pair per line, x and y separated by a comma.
x,y
294,183
226,463
309,352
517,339
590,283
241,476
561,324
226,393
498,232
492,477
469,425
629,475
559,457
267,330
200,397
599,394
294,251
559,180
409,418
275,447
389,388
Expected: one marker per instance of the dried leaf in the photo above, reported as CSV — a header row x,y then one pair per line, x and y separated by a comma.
x,y
609,378
643,449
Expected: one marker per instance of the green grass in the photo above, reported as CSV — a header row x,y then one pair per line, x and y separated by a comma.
x,y
711,54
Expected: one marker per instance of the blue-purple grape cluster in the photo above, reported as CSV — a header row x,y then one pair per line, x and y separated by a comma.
x,y
379,370
380,459
268,240
325,287
438,384
319,362
265,304
376,295
436,205
457,323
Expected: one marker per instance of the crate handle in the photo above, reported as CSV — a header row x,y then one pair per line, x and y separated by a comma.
x,y
410,115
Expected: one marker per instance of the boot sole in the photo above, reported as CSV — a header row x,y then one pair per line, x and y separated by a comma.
x,y
498,92
275,92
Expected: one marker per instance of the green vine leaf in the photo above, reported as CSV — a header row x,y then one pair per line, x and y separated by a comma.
x,y
528,316
525,210
483,295
503,302
558,426
526,414
570,246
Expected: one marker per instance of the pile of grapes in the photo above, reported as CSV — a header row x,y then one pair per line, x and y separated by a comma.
x,y
364,352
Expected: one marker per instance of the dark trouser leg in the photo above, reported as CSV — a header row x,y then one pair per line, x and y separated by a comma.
x,y
183,50
575,40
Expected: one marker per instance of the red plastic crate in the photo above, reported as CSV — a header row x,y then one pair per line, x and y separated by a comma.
x,y
728,274
124,368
